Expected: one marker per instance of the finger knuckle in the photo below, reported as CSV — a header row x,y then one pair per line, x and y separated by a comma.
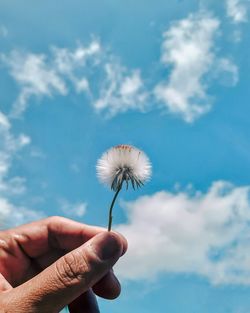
x,y
54,219
73,269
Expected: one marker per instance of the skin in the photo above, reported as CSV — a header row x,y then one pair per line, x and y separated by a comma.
x,y
55,262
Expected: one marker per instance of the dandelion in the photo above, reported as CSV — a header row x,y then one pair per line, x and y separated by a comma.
x,y
123,164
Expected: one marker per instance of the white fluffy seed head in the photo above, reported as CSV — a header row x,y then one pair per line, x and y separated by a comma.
x,y
123,163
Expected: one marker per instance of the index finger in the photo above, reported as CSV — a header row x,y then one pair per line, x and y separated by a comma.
x,y
37,238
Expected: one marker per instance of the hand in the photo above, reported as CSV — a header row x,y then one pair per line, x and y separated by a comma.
x,y
55,262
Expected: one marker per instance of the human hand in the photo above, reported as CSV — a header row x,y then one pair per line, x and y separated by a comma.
x,y
55,262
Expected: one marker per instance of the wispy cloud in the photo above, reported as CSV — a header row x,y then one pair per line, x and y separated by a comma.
x,y
189,57
13,186
190,232
226,72
11,215
92,70
35,78
237,10
122,90
188,52
70,63
39,75
10,145
76,209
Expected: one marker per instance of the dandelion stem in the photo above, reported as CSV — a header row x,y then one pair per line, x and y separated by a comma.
x,y
111,208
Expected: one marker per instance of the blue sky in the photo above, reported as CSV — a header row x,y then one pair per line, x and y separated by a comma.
x,y
170,77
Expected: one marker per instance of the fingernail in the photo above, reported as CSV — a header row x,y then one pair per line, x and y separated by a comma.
x,y
107,246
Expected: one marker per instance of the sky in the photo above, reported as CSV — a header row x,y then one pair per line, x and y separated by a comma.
x,y
169,77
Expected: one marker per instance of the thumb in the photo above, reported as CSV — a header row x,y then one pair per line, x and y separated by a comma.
x,y
72,275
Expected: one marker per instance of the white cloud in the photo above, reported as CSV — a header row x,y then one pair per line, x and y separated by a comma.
x,y
92,70
188,51
13,186
66,60
118,90
237,10
11,215
69,63
77,209
34,76
227,72
199,233
36,152
4,122
39,75
122,90
10,145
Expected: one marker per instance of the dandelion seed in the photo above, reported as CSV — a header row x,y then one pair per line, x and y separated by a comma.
x,y
123,164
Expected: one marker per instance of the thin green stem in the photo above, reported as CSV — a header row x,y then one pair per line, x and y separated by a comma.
x,y
111,208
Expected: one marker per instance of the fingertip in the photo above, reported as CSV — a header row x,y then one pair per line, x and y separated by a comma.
x,y
108,287
107,246
123,241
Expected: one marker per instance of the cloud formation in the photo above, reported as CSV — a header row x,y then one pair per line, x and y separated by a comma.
x,y
35,78
91,70
77,209
227,72
189,57
237,10
11,215
40,75
188,52
122,90
190,232
10,145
